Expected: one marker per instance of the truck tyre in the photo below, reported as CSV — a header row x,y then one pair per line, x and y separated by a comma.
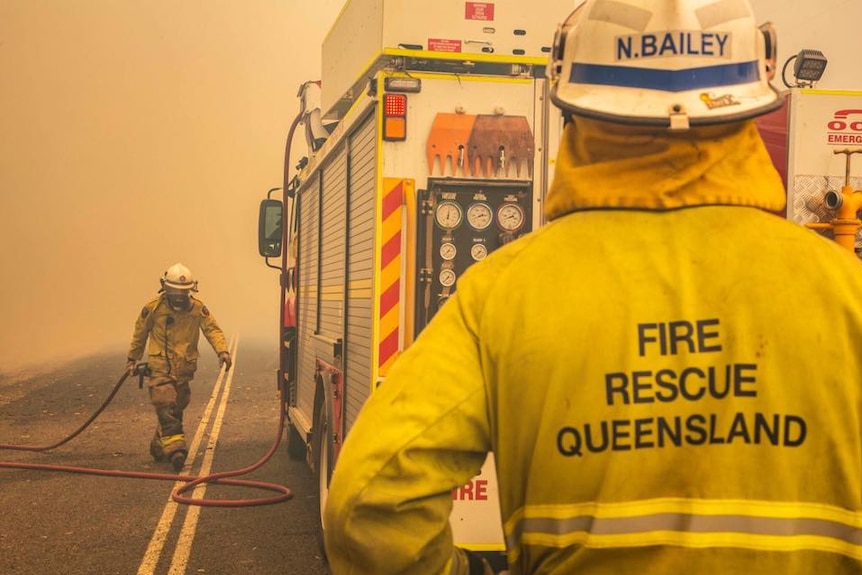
x,y
323,468
297,449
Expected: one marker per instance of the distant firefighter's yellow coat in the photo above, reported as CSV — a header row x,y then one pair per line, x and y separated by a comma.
x,y
173,336
669,376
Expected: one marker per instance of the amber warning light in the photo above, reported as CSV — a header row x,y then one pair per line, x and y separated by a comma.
x,y
394,117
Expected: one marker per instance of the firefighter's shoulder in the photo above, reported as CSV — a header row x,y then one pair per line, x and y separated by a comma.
x,y
199,307
150,306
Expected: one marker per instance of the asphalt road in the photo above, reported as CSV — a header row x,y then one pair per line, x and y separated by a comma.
x,y
71,523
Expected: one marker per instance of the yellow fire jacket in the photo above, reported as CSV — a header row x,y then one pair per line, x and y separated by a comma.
x,y
668,376
174,335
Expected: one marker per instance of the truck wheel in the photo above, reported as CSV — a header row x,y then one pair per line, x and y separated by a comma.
x,y
323,467
297,449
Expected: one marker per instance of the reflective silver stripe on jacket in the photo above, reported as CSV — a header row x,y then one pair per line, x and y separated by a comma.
x,y
690,523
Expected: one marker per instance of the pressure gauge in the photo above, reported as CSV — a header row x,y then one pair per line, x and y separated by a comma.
x,y
448,215
478,252
479,216
448,251
447,277
510,217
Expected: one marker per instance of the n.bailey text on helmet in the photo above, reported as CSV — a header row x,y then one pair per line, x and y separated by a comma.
x,y
673,43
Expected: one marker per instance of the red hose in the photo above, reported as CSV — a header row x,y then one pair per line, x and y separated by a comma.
x,y
191,481
223,478
77,431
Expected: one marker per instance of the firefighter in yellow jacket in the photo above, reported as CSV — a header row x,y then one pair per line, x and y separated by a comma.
x,y
669,376
172,323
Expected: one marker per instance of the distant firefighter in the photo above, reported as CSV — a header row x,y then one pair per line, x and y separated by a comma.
x,y
173,322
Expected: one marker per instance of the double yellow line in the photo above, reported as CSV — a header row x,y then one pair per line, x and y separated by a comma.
x,y
182,551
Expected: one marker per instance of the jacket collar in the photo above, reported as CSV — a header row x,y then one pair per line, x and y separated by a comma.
x,y
603,165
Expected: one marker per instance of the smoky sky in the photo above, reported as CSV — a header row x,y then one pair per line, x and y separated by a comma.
x,y
134,135
139,133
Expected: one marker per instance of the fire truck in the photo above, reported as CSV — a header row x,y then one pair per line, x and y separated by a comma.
x,y
815,141
432,145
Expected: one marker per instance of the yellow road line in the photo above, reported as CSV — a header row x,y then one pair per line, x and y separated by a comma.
x,y
187,533
163,528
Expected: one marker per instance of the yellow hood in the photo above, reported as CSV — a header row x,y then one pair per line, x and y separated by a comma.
x,y
604,165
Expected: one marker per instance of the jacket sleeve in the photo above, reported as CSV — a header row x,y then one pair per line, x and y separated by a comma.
x,y
212,331
423,433
141,333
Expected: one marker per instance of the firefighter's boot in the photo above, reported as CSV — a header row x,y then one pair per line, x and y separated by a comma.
x,y
178,459
174,448
156,449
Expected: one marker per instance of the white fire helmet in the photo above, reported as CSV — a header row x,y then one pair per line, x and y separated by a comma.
x,y
179,277
671,63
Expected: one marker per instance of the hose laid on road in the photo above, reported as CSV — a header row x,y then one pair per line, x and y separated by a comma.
x,y
222,478
75,433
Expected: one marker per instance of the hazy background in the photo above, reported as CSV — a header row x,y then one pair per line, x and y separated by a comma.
x,y
135,134
138,133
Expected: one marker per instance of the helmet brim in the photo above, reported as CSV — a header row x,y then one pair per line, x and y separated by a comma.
x,y
699,107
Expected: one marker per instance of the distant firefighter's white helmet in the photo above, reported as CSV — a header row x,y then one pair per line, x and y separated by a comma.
x,y
179,277
671,63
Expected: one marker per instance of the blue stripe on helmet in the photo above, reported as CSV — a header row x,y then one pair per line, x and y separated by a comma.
x,y
666,80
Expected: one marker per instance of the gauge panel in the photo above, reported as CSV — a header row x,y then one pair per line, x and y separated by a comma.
x,y
461,222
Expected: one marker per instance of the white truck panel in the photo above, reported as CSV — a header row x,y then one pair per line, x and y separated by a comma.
x,y
821,122
365,28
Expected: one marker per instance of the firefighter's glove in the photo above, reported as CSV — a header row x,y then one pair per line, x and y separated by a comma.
x,y
130,366
224,359
476,563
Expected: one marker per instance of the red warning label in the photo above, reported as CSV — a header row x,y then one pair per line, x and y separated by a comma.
x,y
479,11
443,45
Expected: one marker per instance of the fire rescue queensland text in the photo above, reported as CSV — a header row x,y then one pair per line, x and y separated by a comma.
x,y
690,384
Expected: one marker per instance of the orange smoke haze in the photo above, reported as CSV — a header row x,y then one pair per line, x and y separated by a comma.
x,y
134,135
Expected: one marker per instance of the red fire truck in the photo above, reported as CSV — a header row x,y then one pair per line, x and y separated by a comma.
x,y
432,146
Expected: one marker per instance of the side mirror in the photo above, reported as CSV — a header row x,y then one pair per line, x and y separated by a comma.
x,y
270,228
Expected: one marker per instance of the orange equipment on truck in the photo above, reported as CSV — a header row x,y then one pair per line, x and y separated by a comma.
x,y
812,140
433,146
